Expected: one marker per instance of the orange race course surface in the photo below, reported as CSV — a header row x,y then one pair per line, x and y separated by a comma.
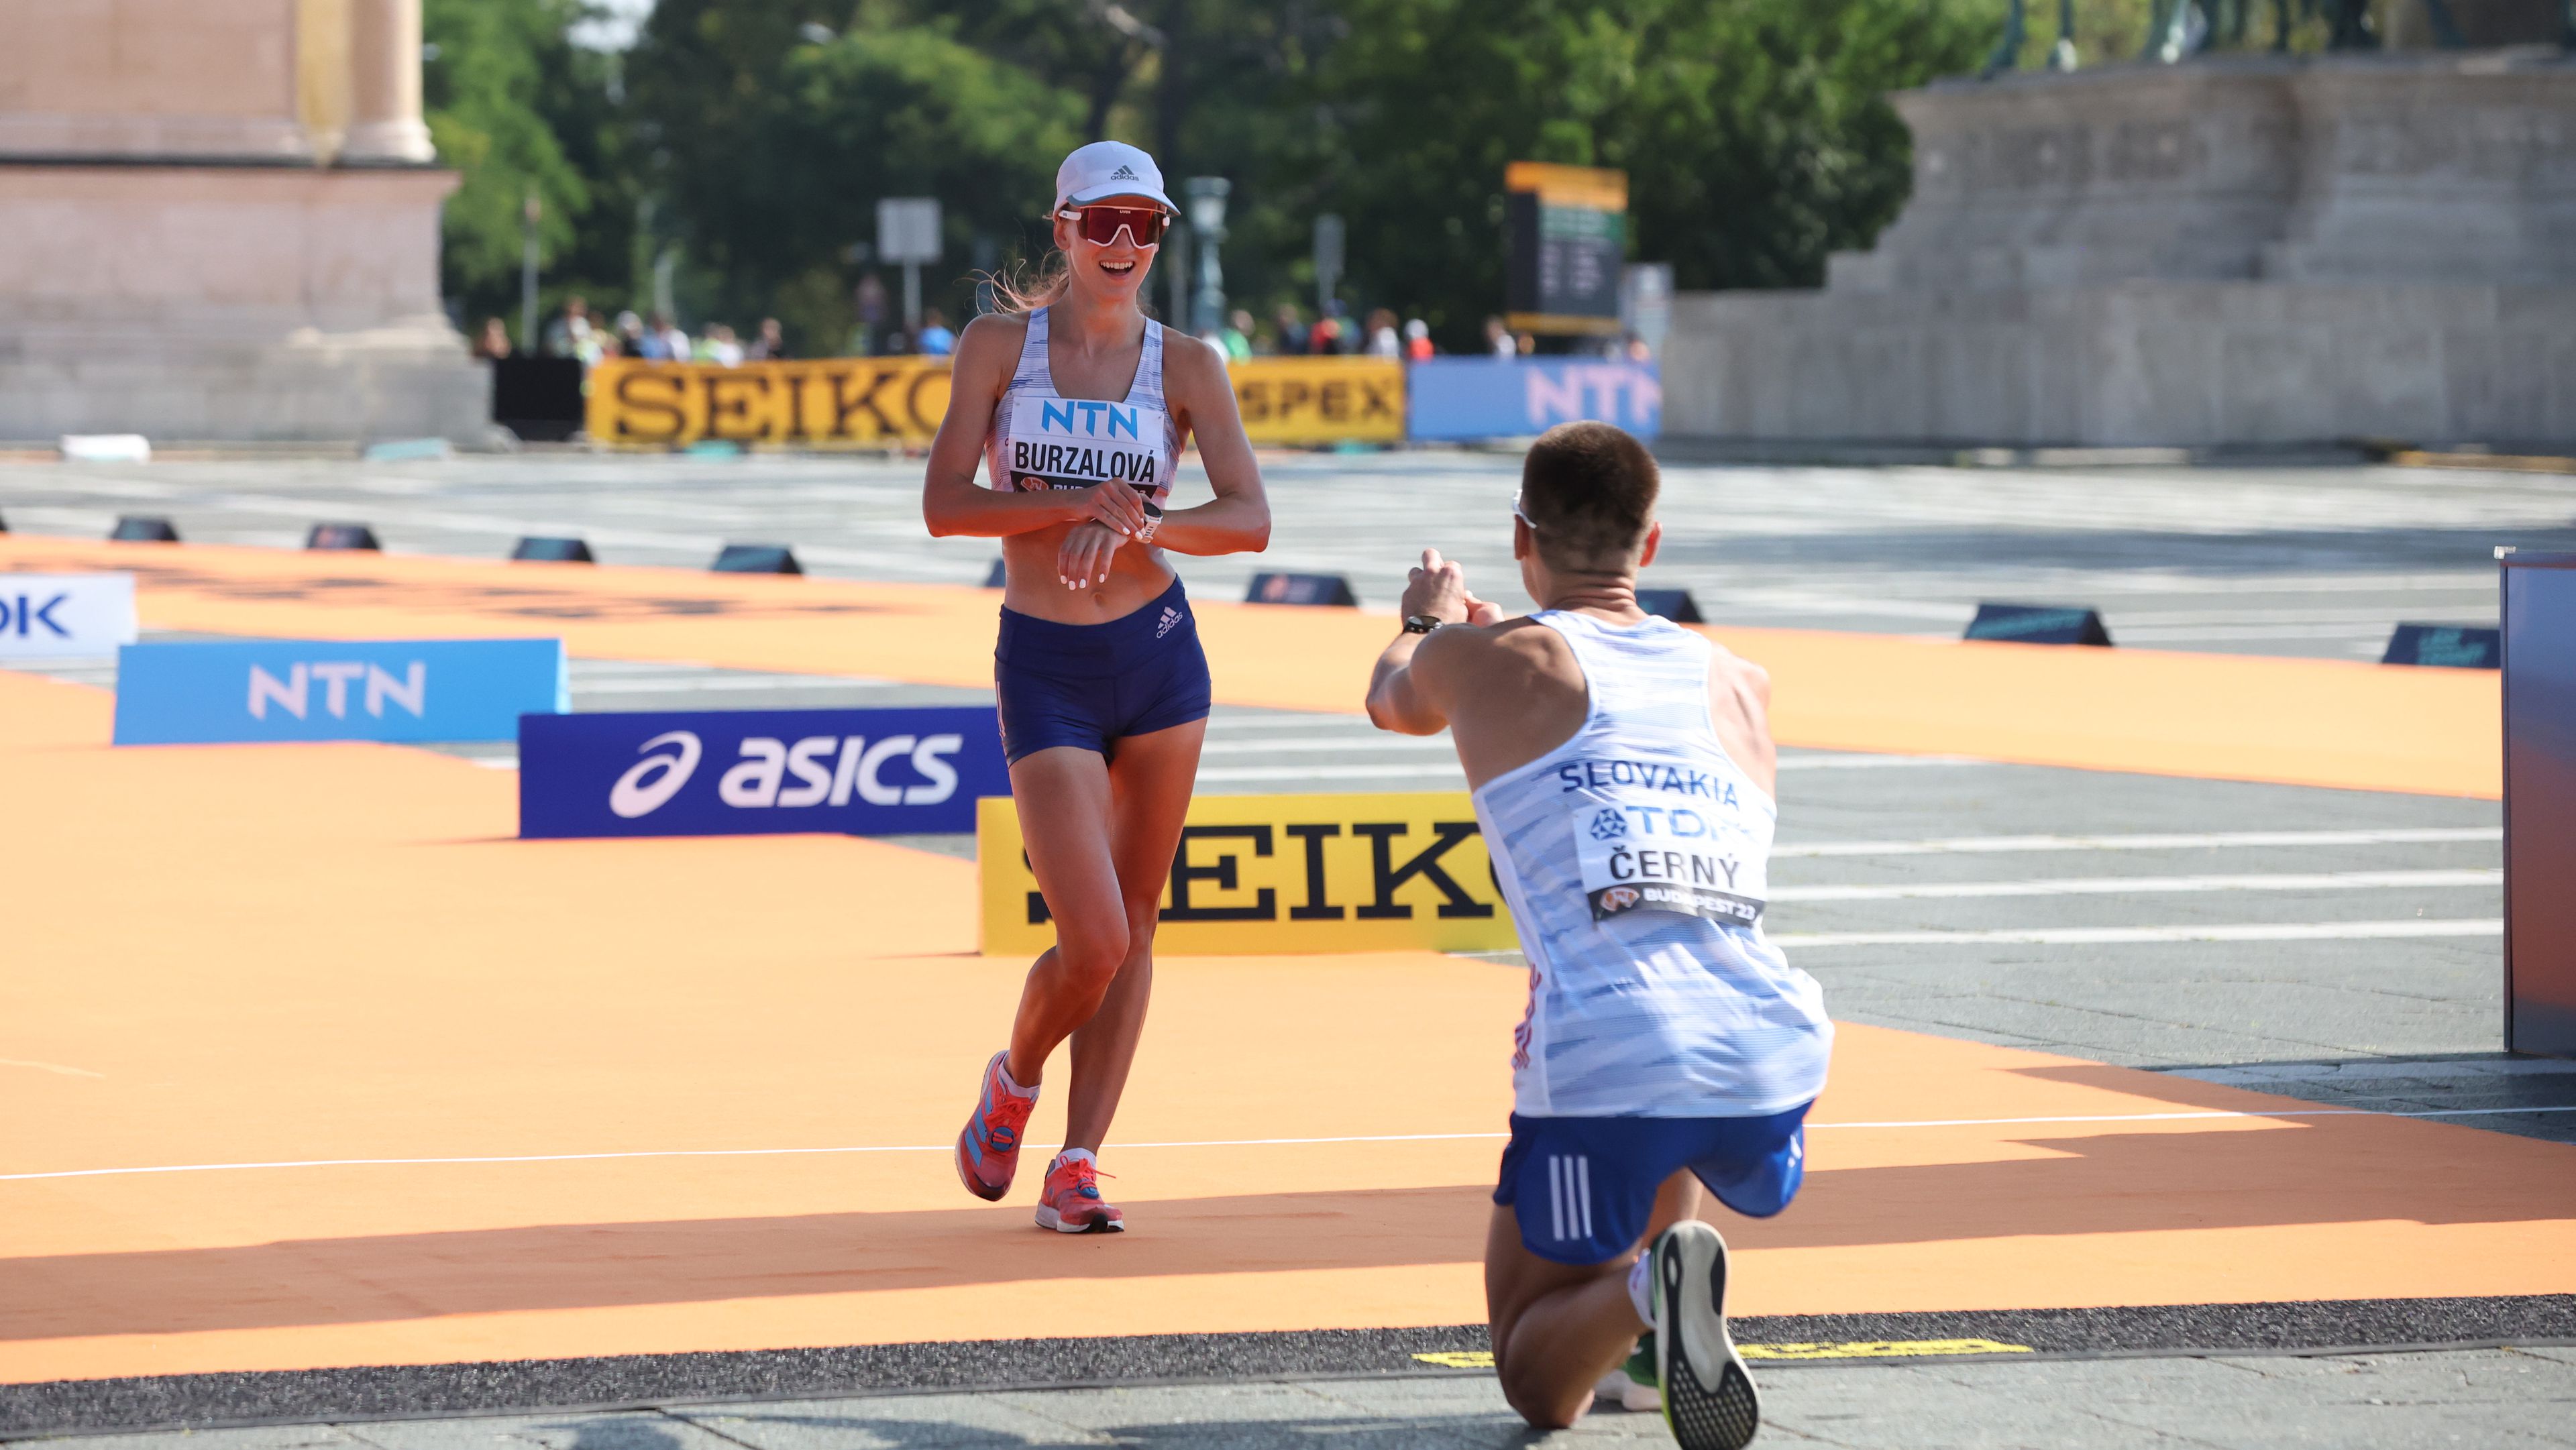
x,y
2296,722
298,954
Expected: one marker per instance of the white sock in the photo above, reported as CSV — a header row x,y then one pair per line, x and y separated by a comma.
x,y
1011,1084
1075,1155
1641,1287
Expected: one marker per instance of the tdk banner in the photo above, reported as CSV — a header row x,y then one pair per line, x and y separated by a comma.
x,y
746,772
58,615
332,689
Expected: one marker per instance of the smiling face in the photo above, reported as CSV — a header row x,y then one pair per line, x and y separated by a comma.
x,y
1113,272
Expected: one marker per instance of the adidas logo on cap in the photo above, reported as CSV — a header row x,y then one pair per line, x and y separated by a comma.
x,y
1123,173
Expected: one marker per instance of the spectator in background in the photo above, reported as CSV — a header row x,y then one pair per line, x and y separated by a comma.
x,y
770,345
869,297
1524,345
1638,351
720,347
1291,341
1382,341
630,334
664,341
1237,337
569,334
1417,341
1325,338
1498,339
493,341
935,340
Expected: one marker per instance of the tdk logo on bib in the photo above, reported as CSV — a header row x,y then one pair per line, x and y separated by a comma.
x,y
758,772
1079,442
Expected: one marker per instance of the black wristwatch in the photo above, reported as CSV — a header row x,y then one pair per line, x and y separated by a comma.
x,y
1422,623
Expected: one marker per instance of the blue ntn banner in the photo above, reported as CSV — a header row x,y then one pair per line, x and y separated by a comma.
x,y
199,692
887,772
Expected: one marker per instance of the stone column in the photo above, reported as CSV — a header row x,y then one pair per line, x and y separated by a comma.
x,y
384,59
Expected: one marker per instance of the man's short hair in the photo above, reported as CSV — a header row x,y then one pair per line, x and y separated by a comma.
x,y
1588,490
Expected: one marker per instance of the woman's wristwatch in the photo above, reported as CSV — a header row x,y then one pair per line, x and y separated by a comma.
x,y
1153,521
1422,623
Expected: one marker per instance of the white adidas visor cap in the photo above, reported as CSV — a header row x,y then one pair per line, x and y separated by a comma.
x,y
1105,169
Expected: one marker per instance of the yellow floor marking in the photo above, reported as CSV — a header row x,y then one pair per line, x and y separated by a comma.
x,y
1460,1358
1880,1349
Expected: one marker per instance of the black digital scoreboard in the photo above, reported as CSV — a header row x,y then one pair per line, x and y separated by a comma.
x,y
1565,244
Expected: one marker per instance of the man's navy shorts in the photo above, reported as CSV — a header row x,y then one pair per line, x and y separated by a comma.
x,y
1583,1188
1088,685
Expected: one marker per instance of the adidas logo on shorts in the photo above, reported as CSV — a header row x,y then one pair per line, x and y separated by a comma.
x,y
1171,617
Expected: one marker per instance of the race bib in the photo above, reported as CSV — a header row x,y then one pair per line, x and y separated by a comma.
x,y
1641,854
1079,442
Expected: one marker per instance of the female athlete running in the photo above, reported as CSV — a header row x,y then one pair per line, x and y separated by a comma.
x,y
1079,403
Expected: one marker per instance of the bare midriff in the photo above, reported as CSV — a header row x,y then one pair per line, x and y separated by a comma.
x,y
1137,576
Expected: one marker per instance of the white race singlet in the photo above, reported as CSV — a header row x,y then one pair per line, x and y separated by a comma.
x,y
1042,441
1634,858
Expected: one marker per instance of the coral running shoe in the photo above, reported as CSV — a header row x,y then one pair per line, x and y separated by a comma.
x,y
988,1152
1071,1202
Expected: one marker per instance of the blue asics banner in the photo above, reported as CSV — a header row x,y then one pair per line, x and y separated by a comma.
x,y
752,772
334,689
1458,398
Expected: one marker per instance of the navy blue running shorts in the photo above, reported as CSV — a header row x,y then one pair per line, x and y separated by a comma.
x,y
1089,685
1583,1188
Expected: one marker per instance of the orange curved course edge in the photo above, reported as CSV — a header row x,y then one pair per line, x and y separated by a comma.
x,y
529,1099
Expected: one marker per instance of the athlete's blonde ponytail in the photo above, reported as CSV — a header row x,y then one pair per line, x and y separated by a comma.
x,y
1018,289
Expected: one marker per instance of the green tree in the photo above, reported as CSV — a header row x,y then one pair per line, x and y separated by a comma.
x,y
515,107
775,137
1754,133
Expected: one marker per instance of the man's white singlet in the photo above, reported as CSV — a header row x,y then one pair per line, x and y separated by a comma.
x,y
1634,858
1041,441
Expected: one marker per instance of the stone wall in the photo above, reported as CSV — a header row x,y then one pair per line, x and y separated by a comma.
x,y
2234,250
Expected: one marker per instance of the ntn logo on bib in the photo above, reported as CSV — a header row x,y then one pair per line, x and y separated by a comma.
x,y
1079,442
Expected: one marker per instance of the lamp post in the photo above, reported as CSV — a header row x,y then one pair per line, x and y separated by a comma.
x,y
528,274
1207,224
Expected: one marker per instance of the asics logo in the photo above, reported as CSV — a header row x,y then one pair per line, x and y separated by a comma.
x,y
1123,173
640,792
1170,618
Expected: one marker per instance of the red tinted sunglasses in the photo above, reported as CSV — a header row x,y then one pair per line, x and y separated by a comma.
x,y
1100,224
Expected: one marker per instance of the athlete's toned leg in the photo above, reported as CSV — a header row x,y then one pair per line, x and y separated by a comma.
x,y
1150,784
1558,1328
1066,808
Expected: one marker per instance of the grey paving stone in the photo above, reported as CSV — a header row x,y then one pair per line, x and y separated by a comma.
x,y
638,1430
884,1422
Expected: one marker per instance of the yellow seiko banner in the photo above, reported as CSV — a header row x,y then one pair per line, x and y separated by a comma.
x,y
1262,874
841,402
1292,400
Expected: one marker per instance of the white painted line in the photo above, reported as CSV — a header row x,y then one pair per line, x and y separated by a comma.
x,y
682,684
2124,935
1357,741
2142,885
1225,773
2291,1115
2400,836
2252,1074
1231,773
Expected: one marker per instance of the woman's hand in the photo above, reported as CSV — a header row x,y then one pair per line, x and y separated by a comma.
x,y
1113,505
1084,559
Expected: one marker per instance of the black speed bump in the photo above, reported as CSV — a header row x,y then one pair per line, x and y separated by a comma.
x,y
2038,624
1325,589
143,529
1673,604
2450,646
542,550
343,536
756,559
